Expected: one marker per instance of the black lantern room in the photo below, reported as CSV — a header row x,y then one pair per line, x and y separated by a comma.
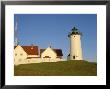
x,y
74,31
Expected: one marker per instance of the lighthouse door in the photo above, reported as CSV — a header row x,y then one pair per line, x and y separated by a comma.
x,y
73,57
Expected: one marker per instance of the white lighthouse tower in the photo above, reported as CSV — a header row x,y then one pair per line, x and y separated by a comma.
x,y
75,45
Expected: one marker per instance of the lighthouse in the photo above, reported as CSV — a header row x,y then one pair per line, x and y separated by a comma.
x,y
75,45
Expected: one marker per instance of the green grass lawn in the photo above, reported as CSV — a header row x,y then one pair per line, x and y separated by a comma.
x,y
62,68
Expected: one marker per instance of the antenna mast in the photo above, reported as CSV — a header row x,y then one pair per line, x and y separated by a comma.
x,y
16,32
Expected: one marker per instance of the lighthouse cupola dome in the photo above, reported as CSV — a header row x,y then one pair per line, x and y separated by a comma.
x,y
74,31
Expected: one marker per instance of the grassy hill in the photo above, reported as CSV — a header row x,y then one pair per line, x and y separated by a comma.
x,y
62,68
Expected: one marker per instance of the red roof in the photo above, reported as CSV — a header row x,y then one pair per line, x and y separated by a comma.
x,y
30,50
57,51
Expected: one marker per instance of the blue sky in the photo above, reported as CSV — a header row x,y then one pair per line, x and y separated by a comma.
x,y
45,29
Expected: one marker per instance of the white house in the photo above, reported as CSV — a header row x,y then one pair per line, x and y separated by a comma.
x,y
51,54
31,54
22,53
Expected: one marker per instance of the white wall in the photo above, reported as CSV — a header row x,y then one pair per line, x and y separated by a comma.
x,y
39,60
33,56
75,47
49,52
18,58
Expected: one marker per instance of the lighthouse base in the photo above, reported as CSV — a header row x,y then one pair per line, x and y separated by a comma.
x,y
74,58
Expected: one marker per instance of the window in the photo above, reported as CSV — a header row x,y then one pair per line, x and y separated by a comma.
x,y
21,54
28,60
73,57
76,32
19,60
15,54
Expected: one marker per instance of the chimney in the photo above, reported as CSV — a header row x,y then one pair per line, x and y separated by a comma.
x,y
32,46
50,45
